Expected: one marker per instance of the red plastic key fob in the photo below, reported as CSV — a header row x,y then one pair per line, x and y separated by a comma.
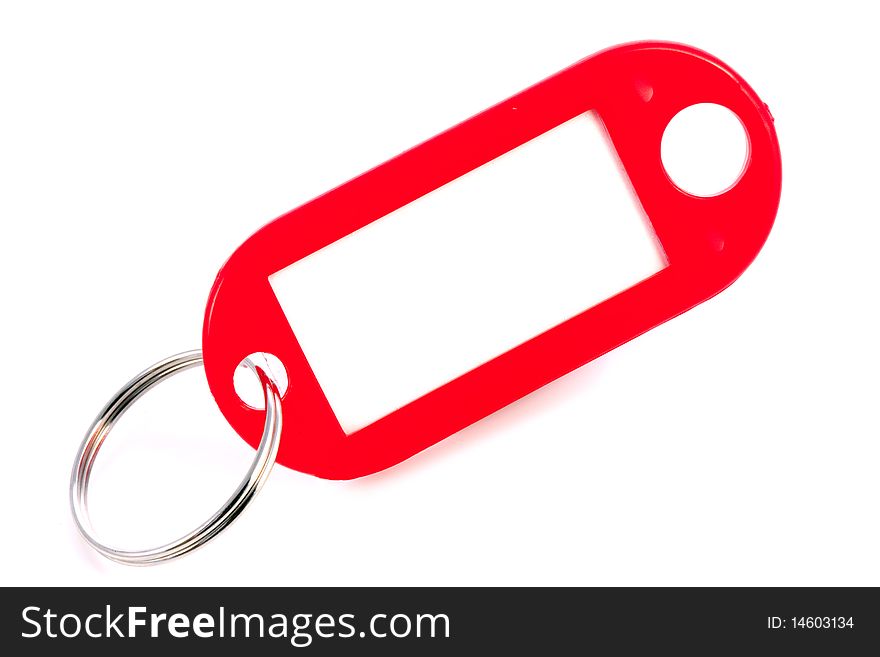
x,y
708,242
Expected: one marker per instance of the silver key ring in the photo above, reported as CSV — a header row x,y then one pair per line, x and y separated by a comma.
x,y
107,418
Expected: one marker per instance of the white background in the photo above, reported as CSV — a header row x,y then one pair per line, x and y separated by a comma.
x,y
737,444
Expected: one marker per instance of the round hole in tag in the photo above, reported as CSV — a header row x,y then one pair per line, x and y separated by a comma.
x,y
704,149
248,388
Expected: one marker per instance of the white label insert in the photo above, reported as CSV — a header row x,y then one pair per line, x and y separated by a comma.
x,y
468,271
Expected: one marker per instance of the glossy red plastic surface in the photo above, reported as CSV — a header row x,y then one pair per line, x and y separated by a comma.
x,y
636,89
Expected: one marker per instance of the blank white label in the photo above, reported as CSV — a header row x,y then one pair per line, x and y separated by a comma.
x,y
468,271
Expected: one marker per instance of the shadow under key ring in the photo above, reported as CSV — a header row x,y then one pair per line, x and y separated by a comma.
x,y
110,414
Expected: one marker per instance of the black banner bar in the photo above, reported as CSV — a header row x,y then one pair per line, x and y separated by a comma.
x,y
439,621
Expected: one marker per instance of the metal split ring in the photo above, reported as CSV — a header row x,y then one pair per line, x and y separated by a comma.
x,y
107,418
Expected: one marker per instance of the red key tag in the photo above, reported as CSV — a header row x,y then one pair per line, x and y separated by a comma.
x,y
707,242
